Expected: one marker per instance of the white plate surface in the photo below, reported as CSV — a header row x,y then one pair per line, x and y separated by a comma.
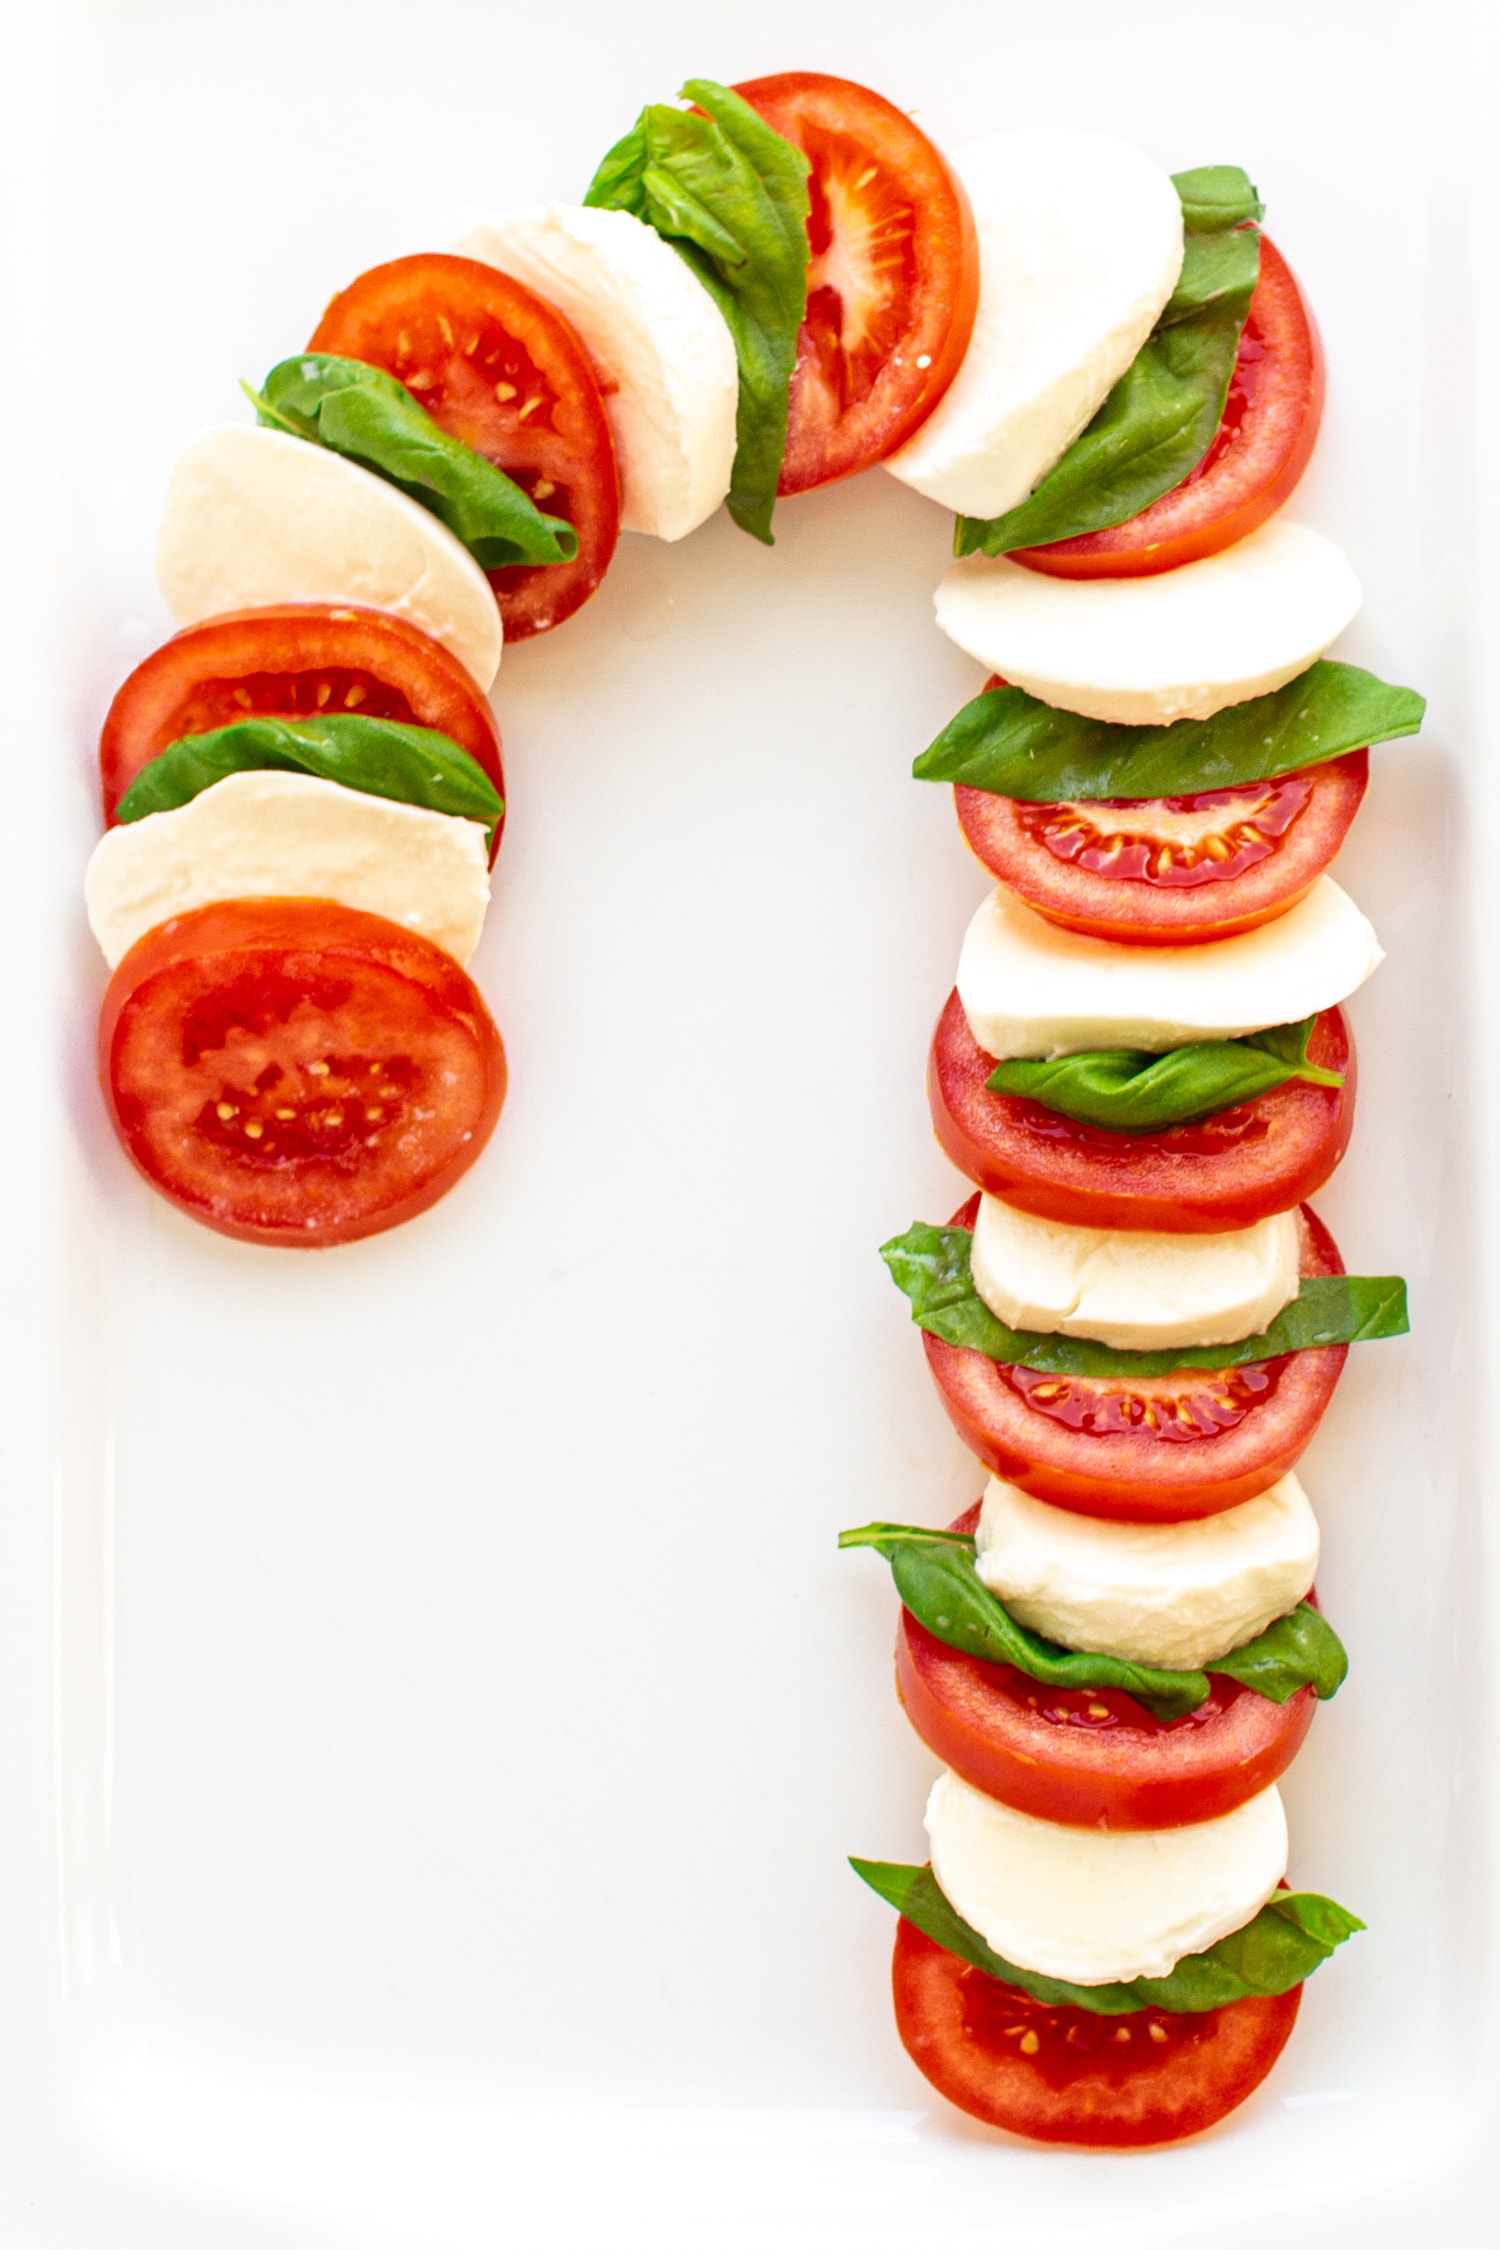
x,y
433,1713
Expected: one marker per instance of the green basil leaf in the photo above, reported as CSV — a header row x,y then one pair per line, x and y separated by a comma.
x,y
1013,745
930,1265
730,196
936,1580
1123,1090
1294,1933
378,757
1164,413
369,417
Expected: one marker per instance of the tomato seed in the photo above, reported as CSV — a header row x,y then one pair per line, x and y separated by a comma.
x,y
504,391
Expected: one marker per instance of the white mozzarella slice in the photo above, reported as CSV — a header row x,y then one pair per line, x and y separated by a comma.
x,y
1080,246
1030,989
1135,1291
290,835
1101,1905
1176,1594
662,348
254,517
1146,651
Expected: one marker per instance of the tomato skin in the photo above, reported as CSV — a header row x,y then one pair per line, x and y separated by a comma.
x,y
1264,443
1081,2083
419,318
1000,833
349,1012
1227,1171
273,663
857,391
1134,1475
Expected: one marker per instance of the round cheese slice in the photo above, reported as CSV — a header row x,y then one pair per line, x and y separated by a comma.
x,y
1101,1905
1031,990
291,835
1174,1594
662,348
1080,246
1146,651
254,517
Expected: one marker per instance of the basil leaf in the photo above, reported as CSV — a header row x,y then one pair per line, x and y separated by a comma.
x,y
730,195
369,417
1013,745
378,757
1122,1090
930,1265
936,1580
1294,1933
1163,414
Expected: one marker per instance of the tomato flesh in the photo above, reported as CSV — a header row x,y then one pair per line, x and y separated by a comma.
x,y
893,278
296,661
1160,1449
1092,1757
1263,444
1228,1170
294,1072
1065,2074
1173,870
502,370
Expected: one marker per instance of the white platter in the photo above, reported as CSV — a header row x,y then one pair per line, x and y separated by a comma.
x,y
432,1711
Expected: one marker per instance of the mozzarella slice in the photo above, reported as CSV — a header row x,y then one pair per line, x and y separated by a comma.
x,y
662,348
1080,246
1101,1905
1176,1594
1030,989
1132,1290
290,835
1146,651
254,517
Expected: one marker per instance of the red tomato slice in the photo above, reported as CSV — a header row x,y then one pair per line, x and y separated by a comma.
x,y
1170,870
290,1071
1064,2074
1265,441
1225,1171
1092,1757
500,368
1158,1449
292,662
893,279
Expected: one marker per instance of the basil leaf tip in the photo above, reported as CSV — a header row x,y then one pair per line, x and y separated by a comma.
x,y
1294,1933
378,757
730,195
371,418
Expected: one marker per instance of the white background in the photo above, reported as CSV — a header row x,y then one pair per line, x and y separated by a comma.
x,y
433,1713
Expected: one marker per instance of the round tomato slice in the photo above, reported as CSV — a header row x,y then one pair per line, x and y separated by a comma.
x,y
1264,443
1092,1757
1228,1170
1065,2074
293,1072
1157,1449
500,368
296,661
1169,870
892,282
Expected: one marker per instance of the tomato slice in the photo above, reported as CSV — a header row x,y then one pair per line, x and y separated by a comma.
x,y
1159,1449
1225,1171
497,366
1264,443
292,662
1064,2074
290,1071
1092,1757
893,280
1169,870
